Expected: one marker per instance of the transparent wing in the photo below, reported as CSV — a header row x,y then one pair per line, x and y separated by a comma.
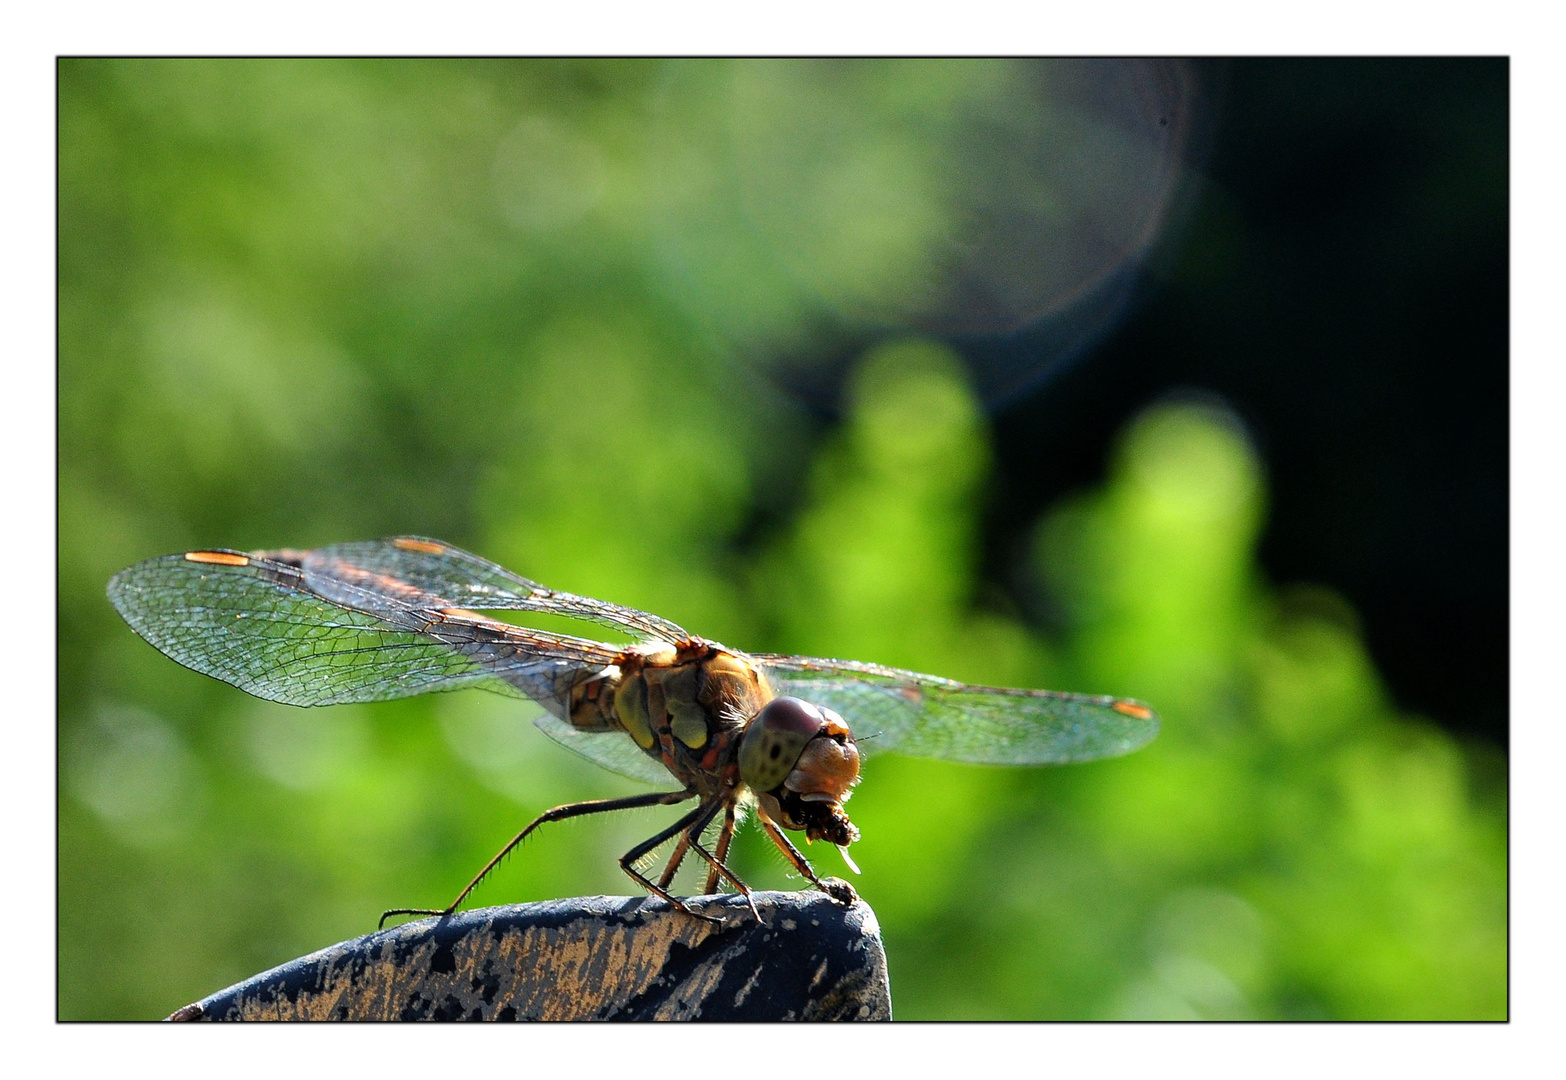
x,y
614,750
926,716
362,572
258,624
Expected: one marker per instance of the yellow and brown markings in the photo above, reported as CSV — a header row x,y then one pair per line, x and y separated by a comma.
x,y
677,687
217,558
728,681
676,701
591,706
630,707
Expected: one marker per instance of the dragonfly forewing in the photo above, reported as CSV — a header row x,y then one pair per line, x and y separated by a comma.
x,y
386,572
256,623
926,716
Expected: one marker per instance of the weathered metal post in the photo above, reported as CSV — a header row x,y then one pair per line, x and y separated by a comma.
x,y
588,958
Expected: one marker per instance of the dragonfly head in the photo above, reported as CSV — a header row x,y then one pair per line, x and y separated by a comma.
x,y
801,761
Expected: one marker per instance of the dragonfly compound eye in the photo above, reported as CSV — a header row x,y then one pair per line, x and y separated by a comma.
x,y
775,740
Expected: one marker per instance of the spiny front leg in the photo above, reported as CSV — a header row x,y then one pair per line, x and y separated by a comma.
x,y
694,836
694,821
721,852
836,888
678,856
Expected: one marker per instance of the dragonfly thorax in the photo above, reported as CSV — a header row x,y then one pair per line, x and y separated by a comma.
x,y
710,717
686,708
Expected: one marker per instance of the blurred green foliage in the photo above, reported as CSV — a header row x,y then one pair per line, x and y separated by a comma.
x,y
303,302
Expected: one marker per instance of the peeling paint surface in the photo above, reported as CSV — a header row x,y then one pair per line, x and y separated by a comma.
x,y
588,958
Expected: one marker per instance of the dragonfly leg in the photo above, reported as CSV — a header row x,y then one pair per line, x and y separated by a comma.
x,y
684,846
721,852
841,891
693,822
718,868
559,813
675,859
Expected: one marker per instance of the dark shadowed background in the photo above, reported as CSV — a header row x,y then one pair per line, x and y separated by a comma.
x,y
1178,381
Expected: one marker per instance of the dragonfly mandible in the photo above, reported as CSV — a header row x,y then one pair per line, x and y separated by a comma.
x,y
381,619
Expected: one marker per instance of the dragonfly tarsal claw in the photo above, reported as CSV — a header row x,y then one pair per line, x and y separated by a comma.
x,y
716,920
410,911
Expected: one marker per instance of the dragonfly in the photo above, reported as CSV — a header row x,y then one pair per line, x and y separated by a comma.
x,y
736,732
